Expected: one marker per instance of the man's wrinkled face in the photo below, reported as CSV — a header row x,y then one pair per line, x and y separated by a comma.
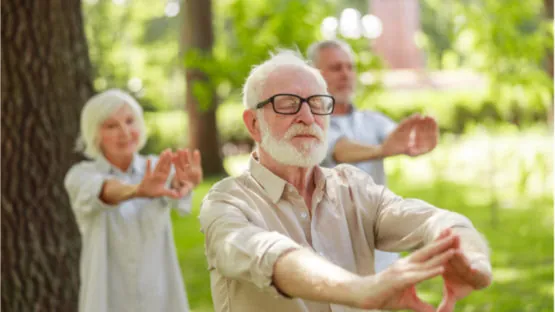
x,y
336,66
296,140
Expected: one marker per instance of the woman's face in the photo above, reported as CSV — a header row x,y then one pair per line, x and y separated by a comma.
x,y
119,134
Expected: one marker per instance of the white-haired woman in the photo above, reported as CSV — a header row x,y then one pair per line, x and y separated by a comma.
x,y
121,202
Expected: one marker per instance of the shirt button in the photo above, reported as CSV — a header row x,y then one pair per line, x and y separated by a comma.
x,y
304,215
322,254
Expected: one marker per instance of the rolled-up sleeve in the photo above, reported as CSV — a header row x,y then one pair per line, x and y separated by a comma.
x,y
83,184
235,247
407,224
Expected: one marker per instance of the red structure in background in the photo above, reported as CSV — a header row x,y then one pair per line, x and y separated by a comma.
x,y
396,45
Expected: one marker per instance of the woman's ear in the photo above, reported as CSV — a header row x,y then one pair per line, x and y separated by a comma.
x,y
253,126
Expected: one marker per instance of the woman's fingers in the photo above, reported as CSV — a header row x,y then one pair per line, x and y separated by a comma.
x,y
185,189
196,158
164,161
171,193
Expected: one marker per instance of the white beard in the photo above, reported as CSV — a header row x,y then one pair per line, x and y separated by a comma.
x,y
310,154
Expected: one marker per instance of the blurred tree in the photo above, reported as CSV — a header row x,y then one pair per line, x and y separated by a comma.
x,y
45,82
203,131
247,31
507,41
439,24
133,46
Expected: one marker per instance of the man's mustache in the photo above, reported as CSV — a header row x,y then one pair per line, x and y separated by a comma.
x,y
299,129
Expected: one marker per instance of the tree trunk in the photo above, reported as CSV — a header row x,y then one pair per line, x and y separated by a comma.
x,y
197,34
45,82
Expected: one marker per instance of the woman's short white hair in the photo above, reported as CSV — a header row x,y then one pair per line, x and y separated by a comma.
x,y
252,90
97,109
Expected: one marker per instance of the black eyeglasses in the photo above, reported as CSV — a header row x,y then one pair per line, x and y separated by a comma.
x,y
290,104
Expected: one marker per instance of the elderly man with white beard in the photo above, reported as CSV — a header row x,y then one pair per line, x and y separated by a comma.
x,y
289,235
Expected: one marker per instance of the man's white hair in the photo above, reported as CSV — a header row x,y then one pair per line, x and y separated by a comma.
x,y
96,111
313,52
254,85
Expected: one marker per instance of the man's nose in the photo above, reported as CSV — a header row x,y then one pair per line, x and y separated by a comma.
x,y
345,73
305,115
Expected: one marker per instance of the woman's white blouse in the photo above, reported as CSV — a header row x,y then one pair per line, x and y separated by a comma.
x,y
128,258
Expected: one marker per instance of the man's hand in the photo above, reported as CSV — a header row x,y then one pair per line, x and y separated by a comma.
x,y
414,136
462,276
394,288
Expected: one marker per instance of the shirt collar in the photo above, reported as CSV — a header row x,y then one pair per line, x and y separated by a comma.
x,y
273,185
137,165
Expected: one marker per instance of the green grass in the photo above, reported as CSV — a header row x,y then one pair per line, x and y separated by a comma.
x,y
520,233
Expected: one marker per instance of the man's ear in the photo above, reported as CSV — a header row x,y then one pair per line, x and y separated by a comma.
x,y
253,126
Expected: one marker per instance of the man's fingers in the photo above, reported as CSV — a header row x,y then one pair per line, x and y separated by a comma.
x,y
415,277
434,248
448,303
440,260
444,233
473,274
420,306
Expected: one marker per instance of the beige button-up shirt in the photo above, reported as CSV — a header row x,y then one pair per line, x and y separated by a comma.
x,y
250,220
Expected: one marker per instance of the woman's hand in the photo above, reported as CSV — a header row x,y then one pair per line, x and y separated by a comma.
x,y
188,171
154,182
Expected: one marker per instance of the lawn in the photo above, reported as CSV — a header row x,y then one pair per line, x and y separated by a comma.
x,y
520,231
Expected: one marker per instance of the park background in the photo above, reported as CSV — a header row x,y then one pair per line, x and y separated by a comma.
x,y
483,68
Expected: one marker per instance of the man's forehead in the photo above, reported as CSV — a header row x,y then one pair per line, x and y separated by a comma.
x,y
289,79
334,55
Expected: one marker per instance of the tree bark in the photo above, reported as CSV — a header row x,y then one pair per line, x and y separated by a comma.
x,y
45,81
197,33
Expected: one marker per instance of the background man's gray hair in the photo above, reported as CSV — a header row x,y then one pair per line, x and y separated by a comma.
x,y
313,52
252,90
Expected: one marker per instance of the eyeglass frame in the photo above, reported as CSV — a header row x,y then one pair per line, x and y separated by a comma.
x,y
303,100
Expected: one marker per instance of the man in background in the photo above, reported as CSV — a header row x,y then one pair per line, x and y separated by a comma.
x,y
365,138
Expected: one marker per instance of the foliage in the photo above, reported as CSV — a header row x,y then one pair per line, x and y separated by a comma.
x,y
247,31
507,40
134,39
457,110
